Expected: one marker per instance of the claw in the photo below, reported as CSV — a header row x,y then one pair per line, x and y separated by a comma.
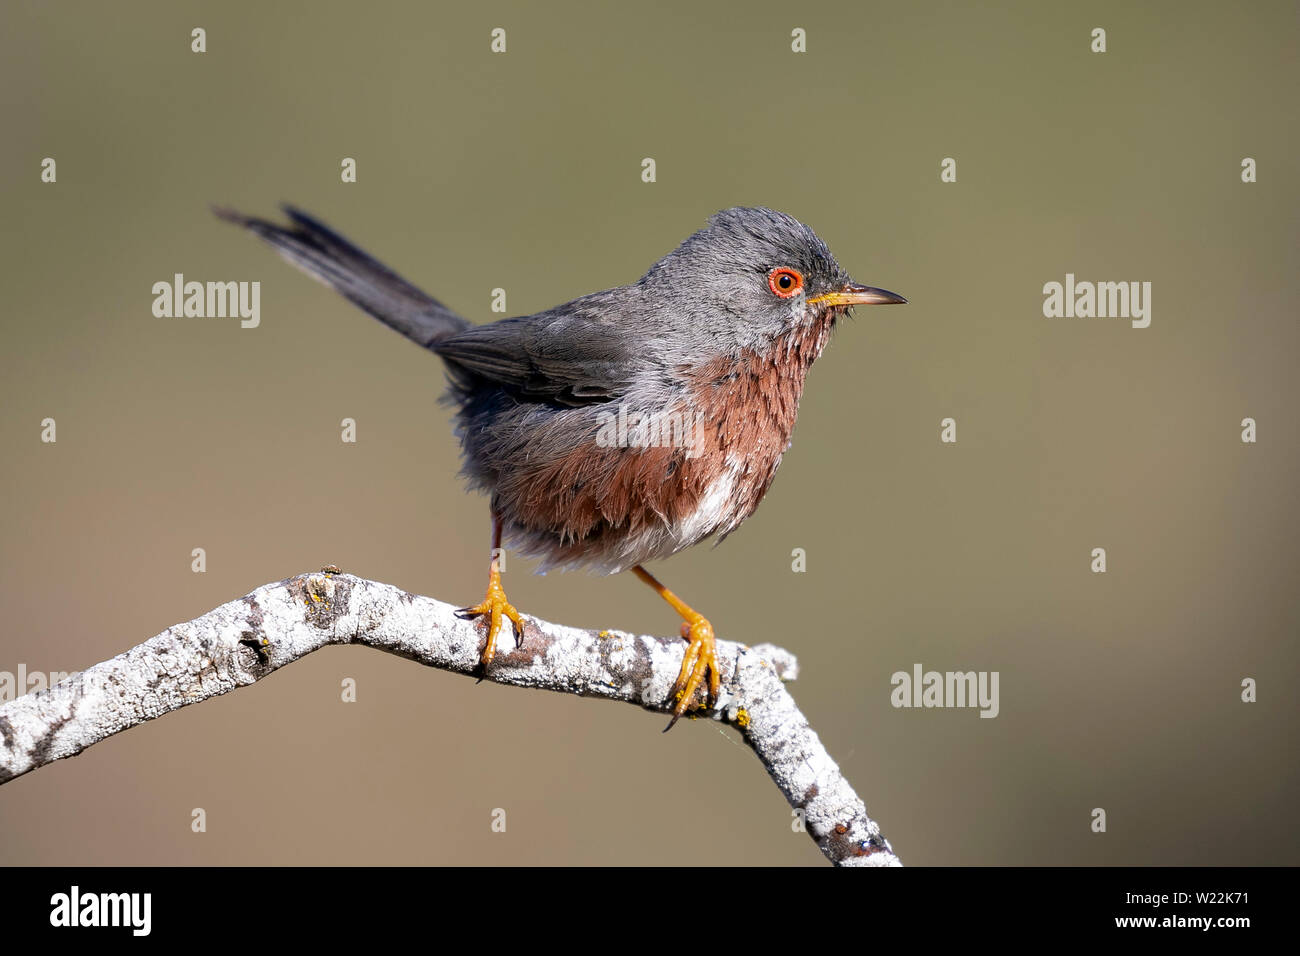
x,y
495,606
699,661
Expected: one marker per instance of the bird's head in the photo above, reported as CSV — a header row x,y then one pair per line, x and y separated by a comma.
x,y
754,275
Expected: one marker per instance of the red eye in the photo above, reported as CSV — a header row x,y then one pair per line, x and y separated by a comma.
x,y
784,282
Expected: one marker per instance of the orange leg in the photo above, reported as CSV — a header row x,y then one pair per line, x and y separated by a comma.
x,y
700,659
495,604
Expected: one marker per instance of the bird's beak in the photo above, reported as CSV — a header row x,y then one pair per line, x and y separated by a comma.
x,y
854,294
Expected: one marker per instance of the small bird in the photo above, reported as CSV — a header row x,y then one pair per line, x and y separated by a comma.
x,y
628,424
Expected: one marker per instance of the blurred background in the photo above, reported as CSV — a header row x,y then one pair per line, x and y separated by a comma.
x,y
523,171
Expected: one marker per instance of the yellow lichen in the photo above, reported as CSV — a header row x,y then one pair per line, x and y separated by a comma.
x,y
312,596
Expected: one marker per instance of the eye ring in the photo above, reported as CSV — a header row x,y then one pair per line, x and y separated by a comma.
x,y
785,282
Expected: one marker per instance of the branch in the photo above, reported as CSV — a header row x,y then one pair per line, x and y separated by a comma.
x,y
243,641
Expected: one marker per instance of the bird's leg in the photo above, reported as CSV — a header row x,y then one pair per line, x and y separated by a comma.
x,y
495,604
700,659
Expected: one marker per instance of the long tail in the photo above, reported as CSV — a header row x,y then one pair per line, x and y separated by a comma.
x,y
325,255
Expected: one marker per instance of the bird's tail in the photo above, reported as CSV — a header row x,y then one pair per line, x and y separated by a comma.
x,y
325,255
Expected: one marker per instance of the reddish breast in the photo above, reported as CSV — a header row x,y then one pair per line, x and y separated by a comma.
x,y
746,406
750,403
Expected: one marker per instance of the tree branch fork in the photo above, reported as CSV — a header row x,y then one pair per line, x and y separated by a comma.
x,y
241,642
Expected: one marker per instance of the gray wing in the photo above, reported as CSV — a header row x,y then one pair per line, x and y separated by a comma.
x,y
575,354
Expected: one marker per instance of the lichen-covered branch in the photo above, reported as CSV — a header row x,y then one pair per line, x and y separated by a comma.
x,y
243,641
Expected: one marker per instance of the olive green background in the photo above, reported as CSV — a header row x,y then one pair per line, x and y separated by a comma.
x,y
1118,690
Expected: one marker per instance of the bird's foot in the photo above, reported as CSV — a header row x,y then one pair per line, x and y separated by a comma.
x,y
495,606
699,662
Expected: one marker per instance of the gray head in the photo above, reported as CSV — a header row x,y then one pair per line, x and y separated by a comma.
x,y
753,274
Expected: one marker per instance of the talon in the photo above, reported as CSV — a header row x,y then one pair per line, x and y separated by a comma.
x,y
699,661
496,607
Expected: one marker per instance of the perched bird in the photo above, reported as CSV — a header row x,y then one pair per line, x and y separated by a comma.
x,y
628,424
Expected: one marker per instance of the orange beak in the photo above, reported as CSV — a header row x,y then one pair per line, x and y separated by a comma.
x,y
854,294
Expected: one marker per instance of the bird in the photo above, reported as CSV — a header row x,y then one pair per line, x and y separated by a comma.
x,y
626,425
